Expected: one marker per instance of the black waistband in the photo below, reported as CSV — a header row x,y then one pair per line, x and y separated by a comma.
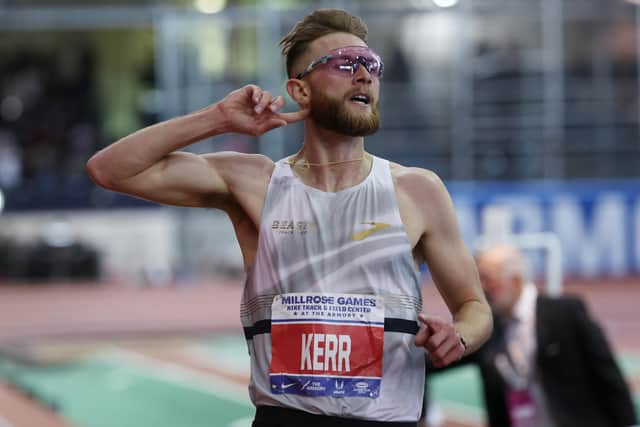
x,y
390,325
273,416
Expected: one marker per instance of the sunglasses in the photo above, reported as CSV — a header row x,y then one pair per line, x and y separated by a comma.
x,y
346,60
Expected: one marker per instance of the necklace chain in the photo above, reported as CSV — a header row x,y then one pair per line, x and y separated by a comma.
x,y
306,164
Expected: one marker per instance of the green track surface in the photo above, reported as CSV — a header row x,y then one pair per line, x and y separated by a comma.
x,y
102,394
111,391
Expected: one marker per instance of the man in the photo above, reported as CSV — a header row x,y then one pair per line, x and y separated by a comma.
x,y
328,236
547,363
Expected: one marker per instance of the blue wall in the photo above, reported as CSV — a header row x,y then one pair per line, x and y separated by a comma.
x,y
598,222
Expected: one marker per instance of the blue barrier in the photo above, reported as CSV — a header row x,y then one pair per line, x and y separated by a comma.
x,y
597,221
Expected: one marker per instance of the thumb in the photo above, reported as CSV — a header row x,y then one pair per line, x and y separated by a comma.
x,y
295,116
271,124
433,323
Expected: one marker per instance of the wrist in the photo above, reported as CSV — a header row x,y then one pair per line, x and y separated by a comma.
x,y
216,118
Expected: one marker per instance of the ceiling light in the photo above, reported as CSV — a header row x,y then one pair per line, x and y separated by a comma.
x,y
445,3
210,6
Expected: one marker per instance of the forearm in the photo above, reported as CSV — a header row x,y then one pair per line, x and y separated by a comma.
x,y
474,322
138,151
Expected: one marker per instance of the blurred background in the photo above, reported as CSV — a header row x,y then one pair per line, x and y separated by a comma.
x,y
528,110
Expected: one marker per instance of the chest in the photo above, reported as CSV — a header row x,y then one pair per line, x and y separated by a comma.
x,y
356,215
293,211
352,241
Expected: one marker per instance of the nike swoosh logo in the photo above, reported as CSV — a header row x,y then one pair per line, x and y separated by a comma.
x,y
286,386
377,226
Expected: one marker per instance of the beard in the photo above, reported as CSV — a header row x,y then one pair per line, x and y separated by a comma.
x,y
332,114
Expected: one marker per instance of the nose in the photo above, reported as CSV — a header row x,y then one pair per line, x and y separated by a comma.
x,y
362,75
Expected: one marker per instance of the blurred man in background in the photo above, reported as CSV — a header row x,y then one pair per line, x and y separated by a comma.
x,y
547,363
328,236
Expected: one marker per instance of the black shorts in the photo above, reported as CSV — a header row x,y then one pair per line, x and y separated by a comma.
x,y
273,416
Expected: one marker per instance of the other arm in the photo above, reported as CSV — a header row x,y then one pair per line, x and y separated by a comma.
x,y
454,273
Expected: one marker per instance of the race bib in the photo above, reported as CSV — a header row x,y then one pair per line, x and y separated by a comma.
x,y
327,345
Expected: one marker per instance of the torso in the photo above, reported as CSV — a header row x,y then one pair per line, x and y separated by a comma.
x,y
246,207
351,248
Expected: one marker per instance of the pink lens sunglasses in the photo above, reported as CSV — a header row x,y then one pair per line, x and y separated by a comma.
x,y
346,60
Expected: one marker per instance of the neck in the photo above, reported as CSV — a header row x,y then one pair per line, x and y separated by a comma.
x,y
324,146
331,162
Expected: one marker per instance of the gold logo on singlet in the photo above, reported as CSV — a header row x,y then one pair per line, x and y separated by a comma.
x,y
376,226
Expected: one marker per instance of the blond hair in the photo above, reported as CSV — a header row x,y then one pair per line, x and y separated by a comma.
x,y
318,24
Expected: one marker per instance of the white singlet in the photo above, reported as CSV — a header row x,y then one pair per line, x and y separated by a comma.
x,y
330,305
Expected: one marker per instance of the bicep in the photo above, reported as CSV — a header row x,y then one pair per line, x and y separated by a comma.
x,y
180,179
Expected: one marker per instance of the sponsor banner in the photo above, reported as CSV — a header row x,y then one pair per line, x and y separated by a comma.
x,y
325,386
597,221
327,344
367,309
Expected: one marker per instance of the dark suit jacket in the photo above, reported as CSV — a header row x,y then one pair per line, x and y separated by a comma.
x,y
578,372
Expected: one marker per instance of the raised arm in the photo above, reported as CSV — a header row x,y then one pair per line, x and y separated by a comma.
x,y
454,273
149,165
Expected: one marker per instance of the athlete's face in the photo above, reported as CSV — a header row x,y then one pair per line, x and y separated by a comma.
x,y
346,102
337,114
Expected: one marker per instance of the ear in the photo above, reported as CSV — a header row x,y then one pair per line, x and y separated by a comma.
x,y
299,92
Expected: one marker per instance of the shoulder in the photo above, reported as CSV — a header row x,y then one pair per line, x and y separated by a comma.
x,y
564,306
411,178
231,164
422,186
239,159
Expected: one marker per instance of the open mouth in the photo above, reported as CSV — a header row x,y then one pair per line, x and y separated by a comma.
x,y
361,99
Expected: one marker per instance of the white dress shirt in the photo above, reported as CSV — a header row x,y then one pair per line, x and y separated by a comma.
x,y
522,347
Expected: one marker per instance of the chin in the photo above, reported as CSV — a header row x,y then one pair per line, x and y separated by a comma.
x,y
360,110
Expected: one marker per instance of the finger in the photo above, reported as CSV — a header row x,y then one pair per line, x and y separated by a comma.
x,y
449,358
254,92
295,116
277,104
265,100
434,323
271,124
450,351
435,341
435,320
422,336
444,347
